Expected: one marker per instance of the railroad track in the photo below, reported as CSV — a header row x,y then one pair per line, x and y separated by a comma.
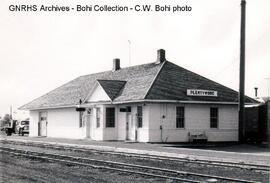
x,y
153,157
168,174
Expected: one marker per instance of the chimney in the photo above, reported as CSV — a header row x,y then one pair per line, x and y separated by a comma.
x,y
116,64
256,92
161,56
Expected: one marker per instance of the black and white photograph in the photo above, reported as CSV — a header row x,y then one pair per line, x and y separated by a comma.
x,y
134,91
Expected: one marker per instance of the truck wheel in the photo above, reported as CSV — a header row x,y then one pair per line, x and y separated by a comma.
x,y
8,132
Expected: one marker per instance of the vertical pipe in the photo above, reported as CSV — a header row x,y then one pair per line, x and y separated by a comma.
x,y
242,74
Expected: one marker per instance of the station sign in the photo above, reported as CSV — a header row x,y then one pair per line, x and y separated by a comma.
x,y
206,93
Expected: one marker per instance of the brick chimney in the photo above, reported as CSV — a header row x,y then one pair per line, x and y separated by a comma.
x,y
256,92
116,64
161,56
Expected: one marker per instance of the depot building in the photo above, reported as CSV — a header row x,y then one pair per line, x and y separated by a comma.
x,y
155,102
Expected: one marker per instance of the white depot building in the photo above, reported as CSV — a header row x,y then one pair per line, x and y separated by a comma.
x,y
155,102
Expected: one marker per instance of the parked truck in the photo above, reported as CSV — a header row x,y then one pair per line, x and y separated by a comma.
x,y
9,127
23,127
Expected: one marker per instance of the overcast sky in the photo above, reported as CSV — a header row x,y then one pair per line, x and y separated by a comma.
x,y
40,51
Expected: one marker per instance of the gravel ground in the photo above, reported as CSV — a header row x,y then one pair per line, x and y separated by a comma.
x,y
191,167
16,169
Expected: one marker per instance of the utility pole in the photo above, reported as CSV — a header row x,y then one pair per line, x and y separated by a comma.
x,y
242,74
268,79
10,112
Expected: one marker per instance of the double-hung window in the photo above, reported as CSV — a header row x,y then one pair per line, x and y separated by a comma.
x,y
98,117
180,117
140,116
213,117
81,119
110,117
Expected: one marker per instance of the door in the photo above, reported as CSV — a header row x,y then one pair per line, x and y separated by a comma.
x,y
87,126
42,124
130,128
87,122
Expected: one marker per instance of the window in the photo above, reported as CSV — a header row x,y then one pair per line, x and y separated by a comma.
x,y
80,119
98,117
89,111
180,117
213,117
139,116
43,116
110,117
25,123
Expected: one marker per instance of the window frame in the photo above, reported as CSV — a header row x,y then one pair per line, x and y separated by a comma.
x,y
110,124
43,114
98,117
214,124
140,116
81,119
181,117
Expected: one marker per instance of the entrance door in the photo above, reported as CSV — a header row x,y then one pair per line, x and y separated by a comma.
x,y
87,122
87,126
130,128
42,124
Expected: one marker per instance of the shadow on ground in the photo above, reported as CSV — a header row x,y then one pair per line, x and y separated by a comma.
x,y
227,147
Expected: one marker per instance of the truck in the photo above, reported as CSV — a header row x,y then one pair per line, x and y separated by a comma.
x,y
23,127
9,127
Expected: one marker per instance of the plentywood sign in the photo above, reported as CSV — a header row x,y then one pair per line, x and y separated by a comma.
x,y
195,92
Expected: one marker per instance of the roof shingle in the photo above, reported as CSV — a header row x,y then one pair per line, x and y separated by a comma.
x,y
164,81
138,80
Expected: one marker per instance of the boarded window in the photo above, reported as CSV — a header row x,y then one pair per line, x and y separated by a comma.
x,y
213,117
139,116
110,117
98,117
180,117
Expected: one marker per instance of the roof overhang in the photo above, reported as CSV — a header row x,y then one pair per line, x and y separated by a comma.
x,y
91,104
51,107
177,101
164,101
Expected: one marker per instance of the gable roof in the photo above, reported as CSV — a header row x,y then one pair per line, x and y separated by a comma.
x,y
112,87
165,89
138,80
163,81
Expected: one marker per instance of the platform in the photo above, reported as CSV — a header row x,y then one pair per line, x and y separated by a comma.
x,y
229,152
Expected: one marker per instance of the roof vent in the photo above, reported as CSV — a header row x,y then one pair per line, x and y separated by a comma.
x,y
161,56
116,64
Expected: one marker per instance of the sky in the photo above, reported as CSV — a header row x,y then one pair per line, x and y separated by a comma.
x,y
40,51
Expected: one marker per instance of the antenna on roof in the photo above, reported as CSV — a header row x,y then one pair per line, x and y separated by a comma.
x,y
129,53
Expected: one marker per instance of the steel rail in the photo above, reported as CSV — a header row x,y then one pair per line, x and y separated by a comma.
x,y
143,156
100,167
76,158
